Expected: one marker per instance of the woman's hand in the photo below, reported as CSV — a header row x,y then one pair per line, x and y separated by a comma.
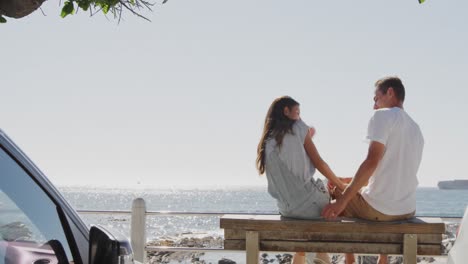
x,y
312,132
346,180
340,185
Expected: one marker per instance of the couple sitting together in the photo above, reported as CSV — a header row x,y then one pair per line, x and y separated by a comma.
x,y
384,186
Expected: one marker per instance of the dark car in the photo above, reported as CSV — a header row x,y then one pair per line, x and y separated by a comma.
x,y
38,226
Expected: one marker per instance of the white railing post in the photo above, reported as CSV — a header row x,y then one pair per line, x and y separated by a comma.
x,y
138,229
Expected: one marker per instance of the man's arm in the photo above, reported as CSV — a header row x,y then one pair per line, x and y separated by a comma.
x,y
365,171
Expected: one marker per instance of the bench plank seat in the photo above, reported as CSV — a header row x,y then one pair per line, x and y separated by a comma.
x,y
422,236
278,223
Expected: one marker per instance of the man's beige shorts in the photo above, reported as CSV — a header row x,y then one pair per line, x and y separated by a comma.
x,y
359,208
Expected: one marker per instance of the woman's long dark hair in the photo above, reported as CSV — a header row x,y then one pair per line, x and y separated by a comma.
x,y
276,126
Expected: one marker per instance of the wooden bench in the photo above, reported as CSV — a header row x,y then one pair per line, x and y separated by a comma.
x,y
255,233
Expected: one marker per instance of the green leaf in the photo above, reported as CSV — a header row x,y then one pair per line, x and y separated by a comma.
x,y
421,1
67,9
2,20
105,8
84,5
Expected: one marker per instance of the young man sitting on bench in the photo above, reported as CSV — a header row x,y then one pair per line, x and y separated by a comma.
x,y
384,187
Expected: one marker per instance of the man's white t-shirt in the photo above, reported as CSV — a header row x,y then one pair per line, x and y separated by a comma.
x,y
392,187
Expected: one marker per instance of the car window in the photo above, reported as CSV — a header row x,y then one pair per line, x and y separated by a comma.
x,y
29,219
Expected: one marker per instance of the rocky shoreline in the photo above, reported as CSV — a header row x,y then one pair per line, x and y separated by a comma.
x,y
209,241
183,240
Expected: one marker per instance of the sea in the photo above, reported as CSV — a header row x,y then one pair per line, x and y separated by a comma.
x,y
431,202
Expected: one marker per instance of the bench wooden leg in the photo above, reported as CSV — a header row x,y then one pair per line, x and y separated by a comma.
x,y
410,248
252,246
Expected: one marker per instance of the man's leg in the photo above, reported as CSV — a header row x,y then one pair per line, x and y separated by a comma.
x,y
359,208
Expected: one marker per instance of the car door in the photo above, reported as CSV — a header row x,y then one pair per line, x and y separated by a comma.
x,y
35,225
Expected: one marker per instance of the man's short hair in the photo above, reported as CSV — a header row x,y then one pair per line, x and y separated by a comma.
x,y
394,82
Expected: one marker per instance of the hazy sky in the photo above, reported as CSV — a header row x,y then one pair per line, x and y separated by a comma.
x,y
181,100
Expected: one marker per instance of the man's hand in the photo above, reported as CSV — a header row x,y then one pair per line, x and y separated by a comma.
x,y
332,210
365,171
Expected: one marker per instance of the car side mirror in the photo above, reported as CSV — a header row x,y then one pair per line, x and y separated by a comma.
x,y
109,248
